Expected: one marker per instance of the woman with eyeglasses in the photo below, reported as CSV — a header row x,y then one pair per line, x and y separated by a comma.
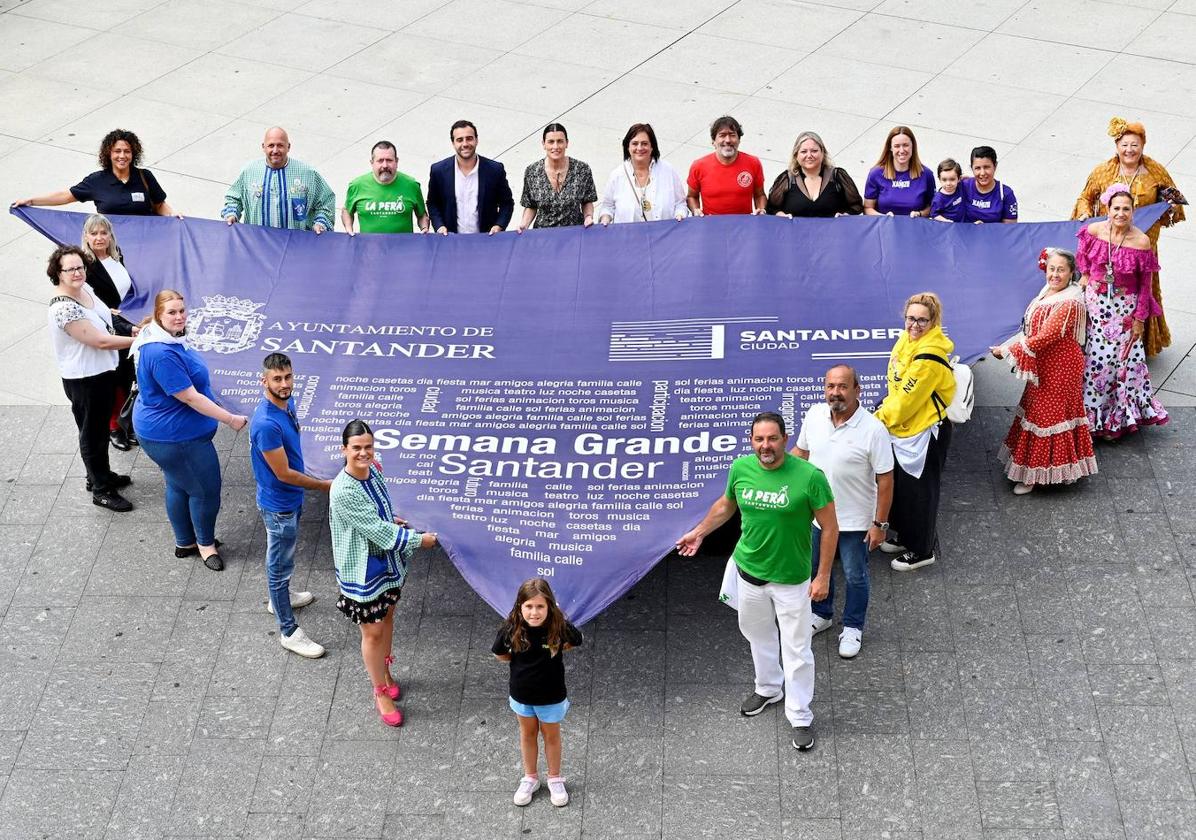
x,y
85,346
921,385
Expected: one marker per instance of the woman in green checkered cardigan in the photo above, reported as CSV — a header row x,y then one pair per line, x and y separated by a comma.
x,y
370,547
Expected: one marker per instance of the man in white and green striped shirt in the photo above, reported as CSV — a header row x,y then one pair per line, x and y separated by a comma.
x,y
280,191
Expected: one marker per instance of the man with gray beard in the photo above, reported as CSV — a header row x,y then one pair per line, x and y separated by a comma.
x,y
384,200
852,447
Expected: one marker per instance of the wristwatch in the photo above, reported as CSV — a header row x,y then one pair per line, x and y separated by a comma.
x,y
884,526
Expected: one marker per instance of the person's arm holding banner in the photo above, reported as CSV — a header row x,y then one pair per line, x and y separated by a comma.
x,y
233,208
719,513
323,205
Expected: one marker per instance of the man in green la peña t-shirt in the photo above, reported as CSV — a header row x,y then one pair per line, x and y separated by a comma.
x,y
384,200
778,496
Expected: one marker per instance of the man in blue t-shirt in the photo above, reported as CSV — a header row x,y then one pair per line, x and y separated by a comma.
x,y
278,469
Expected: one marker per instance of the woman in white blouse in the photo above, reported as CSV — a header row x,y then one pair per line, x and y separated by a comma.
x,y
643,188
85,348
110,280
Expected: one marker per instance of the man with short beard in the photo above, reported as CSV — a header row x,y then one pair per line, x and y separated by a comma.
x,y
280,191
852,447
277,459
384,200
726,181
779,497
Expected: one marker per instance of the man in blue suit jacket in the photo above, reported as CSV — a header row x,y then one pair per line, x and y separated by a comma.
x,y
468,193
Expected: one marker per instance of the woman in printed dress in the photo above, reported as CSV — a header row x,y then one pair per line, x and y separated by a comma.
x,y
1049,441
1117,264
1148,181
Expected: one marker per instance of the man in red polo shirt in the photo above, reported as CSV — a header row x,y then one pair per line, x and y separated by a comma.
x,y
727,181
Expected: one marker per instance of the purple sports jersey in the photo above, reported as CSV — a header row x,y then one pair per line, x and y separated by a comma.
x,y
901,194
950,207
996,205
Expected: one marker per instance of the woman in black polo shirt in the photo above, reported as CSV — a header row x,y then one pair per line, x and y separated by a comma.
x,y
119,188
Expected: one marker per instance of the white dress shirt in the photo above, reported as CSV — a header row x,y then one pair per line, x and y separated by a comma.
x,y
466,188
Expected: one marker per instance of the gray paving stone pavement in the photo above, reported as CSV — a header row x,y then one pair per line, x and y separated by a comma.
x,y
1038,682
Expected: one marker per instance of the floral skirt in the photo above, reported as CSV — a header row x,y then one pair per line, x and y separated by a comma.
x,y
1118,397
1049,442
369,612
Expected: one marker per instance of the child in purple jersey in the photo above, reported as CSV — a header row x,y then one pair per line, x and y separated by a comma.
x,y
948,204
986,199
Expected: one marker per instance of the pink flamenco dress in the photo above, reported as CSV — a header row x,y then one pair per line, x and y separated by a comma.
x,y
1118,397
1049,441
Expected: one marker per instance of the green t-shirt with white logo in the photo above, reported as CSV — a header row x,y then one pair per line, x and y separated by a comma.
x,y
777,508
385,208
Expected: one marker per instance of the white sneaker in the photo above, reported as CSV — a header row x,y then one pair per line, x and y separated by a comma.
x,y
909,561
892,548
298,599
849,642
298,643
556,791
818,623
527,786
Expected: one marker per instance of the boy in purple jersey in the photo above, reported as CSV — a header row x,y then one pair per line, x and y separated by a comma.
x,y
947,205
985,198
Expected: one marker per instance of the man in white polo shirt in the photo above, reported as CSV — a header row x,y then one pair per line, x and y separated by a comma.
x,y
852,447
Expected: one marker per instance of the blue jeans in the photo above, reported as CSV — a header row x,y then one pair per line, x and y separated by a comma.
x,y
853,553
192,471
282,532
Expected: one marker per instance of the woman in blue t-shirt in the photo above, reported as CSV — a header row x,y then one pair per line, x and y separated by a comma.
x,y
899,185
176,418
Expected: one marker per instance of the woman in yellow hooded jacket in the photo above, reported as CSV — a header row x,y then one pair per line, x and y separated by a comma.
x,y
920,387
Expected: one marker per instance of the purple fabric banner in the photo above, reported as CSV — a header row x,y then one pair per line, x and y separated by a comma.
x,y
565,403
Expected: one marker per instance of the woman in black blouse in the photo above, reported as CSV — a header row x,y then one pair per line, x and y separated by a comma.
x,y
558,191
812,186
119,188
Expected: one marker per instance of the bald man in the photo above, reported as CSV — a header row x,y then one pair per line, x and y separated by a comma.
x,y
279,191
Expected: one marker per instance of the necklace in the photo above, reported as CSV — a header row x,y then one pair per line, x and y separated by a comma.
x,y
1113,249
557,176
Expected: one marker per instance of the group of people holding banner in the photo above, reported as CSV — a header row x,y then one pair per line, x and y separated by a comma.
x,y
1082,351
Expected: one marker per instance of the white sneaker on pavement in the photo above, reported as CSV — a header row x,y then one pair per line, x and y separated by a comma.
x,y
849,642
299,643
298,599
556,791
892,548
528,785
818,623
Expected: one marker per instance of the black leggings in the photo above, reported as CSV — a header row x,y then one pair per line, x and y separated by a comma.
x,y
91,402
915,509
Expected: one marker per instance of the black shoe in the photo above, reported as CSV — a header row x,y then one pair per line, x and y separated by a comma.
x,y
112,500
192,551
119,440
803,738
214,562
755,703
133,441
115,481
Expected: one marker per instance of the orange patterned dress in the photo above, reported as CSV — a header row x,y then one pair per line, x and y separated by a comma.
x,y
1145,189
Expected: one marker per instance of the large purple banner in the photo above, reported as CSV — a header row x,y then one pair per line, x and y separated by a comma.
x,y
565,403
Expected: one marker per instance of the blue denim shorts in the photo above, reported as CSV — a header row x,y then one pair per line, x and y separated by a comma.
x,y
553,713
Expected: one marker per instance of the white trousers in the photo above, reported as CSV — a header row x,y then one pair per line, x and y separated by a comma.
x,y
776,621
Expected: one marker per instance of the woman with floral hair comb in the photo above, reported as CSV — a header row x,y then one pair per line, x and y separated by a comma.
x,y
1116,263
1148,182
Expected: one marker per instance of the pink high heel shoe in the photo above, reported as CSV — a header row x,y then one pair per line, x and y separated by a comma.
x,y
394,718
393,690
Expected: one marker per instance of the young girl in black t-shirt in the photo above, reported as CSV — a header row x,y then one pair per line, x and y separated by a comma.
x,y
532,639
